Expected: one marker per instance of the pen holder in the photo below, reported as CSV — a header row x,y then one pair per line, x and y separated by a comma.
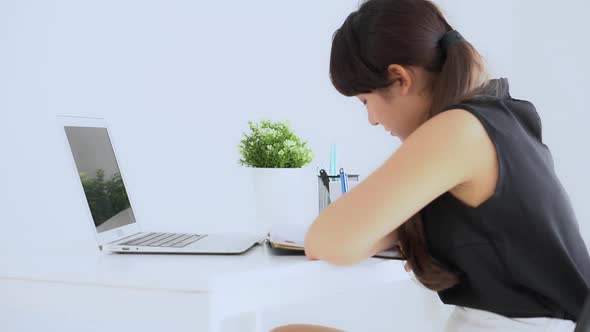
x,y
333,191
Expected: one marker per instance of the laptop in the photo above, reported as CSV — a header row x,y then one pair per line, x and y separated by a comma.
x,y
110,208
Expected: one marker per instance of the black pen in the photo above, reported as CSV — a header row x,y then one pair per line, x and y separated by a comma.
x,y
326,182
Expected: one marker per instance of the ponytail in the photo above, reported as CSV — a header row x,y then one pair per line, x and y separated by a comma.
x,y
461,77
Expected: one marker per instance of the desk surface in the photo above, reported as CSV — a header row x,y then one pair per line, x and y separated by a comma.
x,y
189,273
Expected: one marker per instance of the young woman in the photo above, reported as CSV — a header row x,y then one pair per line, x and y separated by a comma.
x,y
471,196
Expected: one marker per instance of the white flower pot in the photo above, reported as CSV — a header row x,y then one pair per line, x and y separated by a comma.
x,y
286,199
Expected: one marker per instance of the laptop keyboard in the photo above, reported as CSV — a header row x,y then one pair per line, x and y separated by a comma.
x,y
164,240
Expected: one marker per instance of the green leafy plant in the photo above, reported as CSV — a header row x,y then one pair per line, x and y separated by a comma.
x,y
105,197
273,145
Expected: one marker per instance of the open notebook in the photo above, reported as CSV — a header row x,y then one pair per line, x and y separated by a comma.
x,y
294,243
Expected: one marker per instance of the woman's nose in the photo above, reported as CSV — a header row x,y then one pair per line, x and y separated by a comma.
x,y
372,121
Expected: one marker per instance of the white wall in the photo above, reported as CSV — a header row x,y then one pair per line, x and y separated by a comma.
x,y
178,81
554,71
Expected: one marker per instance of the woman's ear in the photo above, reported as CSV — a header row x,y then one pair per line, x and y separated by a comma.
x,y
401,78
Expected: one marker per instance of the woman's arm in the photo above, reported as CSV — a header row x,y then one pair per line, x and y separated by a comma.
x,y
444,152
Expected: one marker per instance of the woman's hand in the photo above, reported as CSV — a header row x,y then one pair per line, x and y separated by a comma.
x,y
407,266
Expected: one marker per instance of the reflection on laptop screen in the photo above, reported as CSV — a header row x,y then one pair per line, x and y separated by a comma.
x,y
100,176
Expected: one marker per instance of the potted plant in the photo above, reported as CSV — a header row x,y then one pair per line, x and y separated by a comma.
x,y
283,186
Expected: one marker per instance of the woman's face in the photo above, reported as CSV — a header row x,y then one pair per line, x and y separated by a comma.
x,y
403,106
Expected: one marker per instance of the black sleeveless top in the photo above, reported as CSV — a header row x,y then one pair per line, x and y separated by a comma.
x,y
520,253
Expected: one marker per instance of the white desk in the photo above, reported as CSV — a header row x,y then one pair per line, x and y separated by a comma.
x,y
114,292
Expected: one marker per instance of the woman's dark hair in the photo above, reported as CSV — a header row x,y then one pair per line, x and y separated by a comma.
x,y
407,32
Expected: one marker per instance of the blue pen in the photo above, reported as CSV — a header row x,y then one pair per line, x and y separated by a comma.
x,y
346,187
343,181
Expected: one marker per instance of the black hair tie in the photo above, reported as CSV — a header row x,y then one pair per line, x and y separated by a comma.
x,y
449,38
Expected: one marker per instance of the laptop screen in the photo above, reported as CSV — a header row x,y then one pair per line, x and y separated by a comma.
x,y
100,176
